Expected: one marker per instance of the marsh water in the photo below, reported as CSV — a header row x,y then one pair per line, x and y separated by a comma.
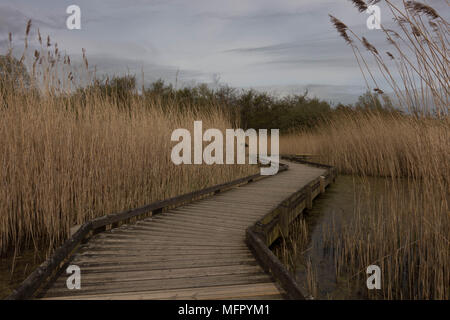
x,y
15,268
335,206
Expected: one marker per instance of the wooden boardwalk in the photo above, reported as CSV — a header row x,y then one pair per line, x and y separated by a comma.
x,y
196,251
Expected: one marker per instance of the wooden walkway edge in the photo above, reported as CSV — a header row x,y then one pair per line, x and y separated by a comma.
x,y
213,248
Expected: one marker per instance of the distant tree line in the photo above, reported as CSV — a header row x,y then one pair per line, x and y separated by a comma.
x,y
260,110
254,109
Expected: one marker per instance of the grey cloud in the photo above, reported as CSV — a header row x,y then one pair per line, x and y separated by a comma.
x,y
110,65
14,20
248,42
340,62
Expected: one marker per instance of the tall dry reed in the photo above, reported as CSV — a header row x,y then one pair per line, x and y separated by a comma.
x,y
415,68
68,158
405,228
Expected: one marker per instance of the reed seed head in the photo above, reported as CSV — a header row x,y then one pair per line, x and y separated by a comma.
x,y
360,5
27,32
368,46
341,28
421,8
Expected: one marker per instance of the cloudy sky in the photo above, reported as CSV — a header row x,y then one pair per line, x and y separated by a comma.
x,y
282,46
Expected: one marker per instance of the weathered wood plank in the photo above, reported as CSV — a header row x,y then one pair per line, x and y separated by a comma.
x,y
217,292
142,253
126,267
140,285
217,213
166,233
168,273
124,263
162,221
191,227
150,241
207,220
152,247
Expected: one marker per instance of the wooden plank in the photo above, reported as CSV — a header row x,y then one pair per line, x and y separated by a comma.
x,y
163,233
263,204
229,222
215,292
169,247
154,229
243,194
195,226
153,265
140,242
224,213
149,253
150,240
218,213
140,285
197,230
162,221
123,262
111,262
96,258
169,273
215,218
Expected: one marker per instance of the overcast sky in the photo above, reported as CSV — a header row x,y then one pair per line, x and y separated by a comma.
x,y
282,45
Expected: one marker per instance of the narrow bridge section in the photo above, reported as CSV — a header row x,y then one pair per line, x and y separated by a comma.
x,y
196,251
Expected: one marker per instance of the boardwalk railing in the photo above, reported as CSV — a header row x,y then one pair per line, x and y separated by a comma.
x,y
264,232
39,277
277,222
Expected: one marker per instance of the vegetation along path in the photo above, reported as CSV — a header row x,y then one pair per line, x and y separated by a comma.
x,y
196,251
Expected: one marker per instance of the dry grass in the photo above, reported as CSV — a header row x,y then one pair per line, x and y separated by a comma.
x,y
292,246
61,168
378,144
65,161
404,229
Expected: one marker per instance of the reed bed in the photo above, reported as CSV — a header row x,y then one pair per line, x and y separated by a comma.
x,y
403,229
378,144
68,158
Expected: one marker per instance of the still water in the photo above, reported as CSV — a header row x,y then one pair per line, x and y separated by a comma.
x,y
13,270
335,206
